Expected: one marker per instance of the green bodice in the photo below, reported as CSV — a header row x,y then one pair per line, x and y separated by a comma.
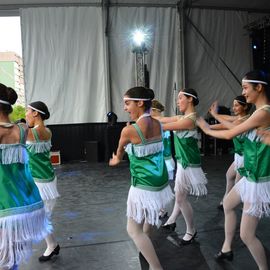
x,y
238,143
18,192
256,159
39,159
256,156
167,152
147,165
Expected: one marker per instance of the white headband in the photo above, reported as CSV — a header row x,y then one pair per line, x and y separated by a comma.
x,y
255,81
29,106
188,94
239,101
137,99
4,102
156,109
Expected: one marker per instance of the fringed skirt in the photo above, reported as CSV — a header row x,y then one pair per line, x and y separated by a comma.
x,y
170,164
48,193
17,232
191,180
238,161
144,205
256,196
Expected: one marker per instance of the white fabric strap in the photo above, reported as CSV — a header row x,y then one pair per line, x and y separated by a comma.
x,y
188,94
29,106
136,99
143,116
254,81
4,102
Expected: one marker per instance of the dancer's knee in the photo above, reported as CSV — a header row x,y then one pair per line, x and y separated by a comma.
x,y
246,237
181,198
133,230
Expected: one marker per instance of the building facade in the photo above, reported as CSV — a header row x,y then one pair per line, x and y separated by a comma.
x,y
11,74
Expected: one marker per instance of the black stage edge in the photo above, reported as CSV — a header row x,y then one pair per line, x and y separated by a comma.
x,y
88,141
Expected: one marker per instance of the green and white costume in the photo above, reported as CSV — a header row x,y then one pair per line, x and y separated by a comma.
x,y
42,169
254,187
238,143
150,190
189,175
22,215
170,164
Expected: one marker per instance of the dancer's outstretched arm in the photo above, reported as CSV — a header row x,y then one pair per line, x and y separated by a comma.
x,y
123,141
258,119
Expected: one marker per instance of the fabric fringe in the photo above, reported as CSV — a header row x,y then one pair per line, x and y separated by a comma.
x,y
170,164
238,161
256,196
39,147
14,153
191,180
17,232
48,190
144,205
142,150
48,193
187,133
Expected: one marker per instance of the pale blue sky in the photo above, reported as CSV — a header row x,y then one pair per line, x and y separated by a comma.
x,y
10,35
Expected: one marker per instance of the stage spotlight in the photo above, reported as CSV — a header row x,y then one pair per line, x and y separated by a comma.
x,y
138,37
112,118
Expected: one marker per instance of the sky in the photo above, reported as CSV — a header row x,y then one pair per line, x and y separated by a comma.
x,y
10,35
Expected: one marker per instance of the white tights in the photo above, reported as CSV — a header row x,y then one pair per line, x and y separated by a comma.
x,y
139,234
232,177
182,204
51,244
247,229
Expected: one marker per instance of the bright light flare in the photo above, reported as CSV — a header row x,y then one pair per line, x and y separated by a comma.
x,y
138,37
141,37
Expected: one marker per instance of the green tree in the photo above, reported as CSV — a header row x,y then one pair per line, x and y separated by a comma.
x,y
18,113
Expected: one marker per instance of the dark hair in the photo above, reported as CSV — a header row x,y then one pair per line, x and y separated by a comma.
x,y
259,75
157,105
191,91
142,92
41,106
22,120
9,95
243,102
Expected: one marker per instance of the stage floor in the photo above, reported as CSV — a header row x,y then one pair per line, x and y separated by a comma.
x,y
90,224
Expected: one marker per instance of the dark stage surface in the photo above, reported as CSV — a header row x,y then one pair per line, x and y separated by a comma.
x,y
90,224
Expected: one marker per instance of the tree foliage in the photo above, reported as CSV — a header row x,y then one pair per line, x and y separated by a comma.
x,y
18,113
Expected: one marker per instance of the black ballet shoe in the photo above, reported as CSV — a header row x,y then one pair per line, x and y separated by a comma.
x,y
187,242
220,256
170,227
143,262
47,258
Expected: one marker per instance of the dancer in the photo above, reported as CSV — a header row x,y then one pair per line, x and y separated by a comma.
x,y
156,112
149,191
241,109
22,215
38,145
253,189
190,179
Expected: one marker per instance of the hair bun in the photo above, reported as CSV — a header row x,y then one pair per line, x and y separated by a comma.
x,y
41,106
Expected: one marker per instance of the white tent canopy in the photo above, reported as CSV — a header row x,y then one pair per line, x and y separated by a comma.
x,y
78,59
